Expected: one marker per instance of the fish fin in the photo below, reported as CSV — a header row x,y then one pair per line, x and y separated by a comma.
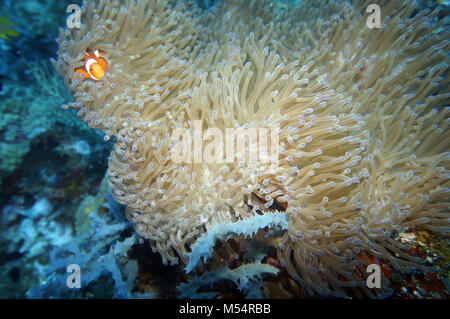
x,y
82,72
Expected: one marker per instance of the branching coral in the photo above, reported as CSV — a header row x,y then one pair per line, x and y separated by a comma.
x,y
361,114
245,277
98,248
247,227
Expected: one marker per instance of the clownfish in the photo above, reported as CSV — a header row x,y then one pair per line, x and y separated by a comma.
x,y
94,65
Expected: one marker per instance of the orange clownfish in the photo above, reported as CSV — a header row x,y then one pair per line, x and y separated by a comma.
x,y
94,65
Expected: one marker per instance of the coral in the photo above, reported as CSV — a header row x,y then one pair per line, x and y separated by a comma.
x,y
42,177
360,113
246,277
37,24
96,253
247,228
41,16
37,230
27,236
248,253
39,171
20,128
100,251
434,249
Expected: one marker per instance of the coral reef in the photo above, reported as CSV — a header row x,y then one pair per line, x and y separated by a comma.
x,y
247,228
37,22
100,251
48,159
361,115
245,277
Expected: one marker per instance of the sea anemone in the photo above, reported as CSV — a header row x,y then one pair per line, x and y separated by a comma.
x,y
361,116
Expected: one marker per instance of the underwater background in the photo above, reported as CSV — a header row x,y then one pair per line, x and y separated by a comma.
x,y
55,204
